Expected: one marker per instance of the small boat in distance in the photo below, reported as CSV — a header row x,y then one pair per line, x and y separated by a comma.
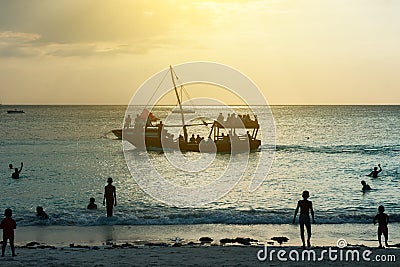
x,y
15,111
184,110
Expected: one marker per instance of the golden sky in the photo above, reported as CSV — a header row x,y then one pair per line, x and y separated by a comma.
x,y
297,52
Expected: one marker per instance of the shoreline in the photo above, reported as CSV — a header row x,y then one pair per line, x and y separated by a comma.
x,y
322,234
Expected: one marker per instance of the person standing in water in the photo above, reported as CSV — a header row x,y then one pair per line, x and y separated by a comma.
x,y
16,172
365,186
110,197
92,205
305,207
383,220
375,172
8,225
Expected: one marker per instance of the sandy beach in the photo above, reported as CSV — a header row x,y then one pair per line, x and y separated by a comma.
x,y
187,256
170,245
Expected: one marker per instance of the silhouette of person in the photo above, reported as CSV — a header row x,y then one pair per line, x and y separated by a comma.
x,y
383,220
305,207
8,225
365,186
198,139
41,213
10,166
16,172
220,118
110,197
92,205
249,136
375,172
192,139
128,122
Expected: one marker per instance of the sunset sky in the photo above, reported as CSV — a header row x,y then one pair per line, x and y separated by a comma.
x,y
297,52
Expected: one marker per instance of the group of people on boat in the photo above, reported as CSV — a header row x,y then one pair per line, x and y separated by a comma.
x,y
139,122
239,121
193,140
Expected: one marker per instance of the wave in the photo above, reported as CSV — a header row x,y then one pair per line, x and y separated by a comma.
x,y
356,149
196,216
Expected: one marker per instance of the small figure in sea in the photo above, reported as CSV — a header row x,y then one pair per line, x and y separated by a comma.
x,y
8,225
128,122
15,174
10,166
375,172
383,220
92,205
365,186
110,197
41,213
305,207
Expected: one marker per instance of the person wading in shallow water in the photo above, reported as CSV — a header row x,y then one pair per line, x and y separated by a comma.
x,y
15,174
110,197
375,172
305,207
383,220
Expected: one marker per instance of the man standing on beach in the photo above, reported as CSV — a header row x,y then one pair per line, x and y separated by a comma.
x,y
110,197
305,207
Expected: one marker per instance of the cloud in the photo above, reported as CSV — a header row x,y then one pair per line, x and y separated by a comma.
x,y
94,27
17,44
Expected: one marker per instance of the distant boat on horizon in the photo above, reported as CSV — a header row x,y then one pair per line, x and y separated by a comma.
x,y
15,111
184,110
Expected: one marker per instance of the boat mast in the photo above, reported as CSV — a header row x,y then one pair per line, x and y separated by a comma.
x,y
180,105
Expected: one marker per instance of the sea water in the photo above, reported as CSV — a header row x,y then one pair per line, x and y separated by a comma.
x,y
69,152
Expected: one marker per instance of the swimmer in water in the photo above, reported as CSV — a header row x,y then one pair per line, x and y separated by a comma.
x,y
365,186
375,172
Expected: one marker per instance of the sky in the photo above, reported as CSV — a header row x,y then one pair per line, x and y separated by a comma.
x,y
296,52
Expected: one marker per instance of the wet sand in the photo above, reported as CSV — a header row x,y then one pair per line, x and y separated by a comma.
x,y
156,245
186,256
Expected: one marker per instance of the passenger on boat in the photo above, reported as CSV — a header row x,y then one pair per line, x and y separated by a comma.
x,y
192,139
235,137
128,122
181,139
228,119
198,139
220,118
249,136
148,121
226,138
139,123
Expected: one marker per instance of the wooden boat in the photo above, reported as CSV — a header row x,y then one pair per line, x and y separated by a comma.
x,y
147,136
15,111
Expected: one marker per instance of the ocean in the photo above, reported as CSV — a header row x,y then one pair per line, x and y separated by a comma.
x,y
69,152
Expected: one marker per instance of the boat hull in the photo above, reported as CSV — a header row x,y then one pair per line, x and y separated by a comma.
x,y
150,142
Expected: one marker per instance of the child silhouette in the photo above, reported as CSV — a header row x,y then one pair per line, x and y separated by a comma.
x,y
305,207
383,220
8,225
